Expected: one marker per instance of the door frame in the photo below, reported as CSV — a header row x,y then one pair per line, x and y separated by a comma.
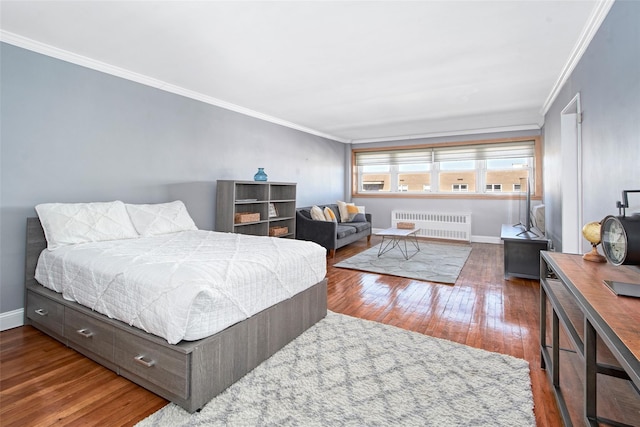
x,y
571,176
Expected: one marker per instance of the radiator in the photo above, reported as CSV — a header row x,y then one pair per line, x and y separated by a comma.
x,y
437,225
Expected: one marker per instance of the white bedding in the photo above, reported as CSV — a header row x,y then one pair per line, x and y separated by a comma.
x,y
185,285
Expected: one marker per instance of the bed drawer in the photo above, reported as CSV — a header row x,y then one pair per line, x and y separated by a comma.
x,y
45,312
160,365
89,333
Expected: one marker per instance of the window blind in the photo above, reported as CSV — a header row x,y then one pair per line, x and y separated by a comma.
x,y
507,150
394,157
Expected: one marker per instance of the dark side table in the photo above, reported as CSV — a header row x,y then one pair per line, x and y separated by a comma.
x,y
522,251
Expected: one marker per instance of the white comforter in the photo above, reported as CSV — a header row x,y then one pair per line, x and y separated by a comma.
x,y
185,285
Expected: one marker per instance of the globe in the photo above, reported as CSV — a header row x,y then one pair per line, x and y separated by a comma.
x,y
591,232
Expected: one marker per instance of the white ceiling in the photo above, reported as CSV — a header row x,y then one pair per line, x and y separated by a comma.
x,y
354,71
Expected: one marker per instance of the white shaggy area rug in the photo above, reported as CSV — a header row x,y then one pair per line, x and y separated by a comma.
x,y
435,262
345,371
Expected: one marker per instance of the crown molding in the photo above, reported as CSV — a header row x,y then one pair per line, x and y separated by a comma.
x,y
450,133
64,55
593,24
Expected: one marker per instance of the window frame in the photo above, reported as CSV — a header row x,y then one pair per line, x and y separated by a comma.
x,y
480,193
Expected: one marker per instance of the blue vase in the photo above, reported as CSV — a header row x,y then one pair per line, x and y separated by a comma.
x,y
260,175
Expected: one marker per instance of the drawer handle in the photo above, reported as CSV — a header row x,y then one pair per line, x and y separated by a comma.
x,y
42,312
146,363
86,333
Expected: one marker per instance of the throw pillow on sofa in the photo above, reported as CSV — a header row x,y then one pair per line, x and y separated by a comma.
x,y
348,211
317,214
329,215
342,207
352,211
359,217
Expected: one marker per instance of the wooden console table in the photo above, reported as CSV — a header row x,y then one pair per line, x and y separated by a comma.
x,y
522,251
592,315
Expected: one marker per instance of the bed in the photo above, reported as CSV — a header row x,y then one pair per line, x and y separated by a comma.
x,y
188,366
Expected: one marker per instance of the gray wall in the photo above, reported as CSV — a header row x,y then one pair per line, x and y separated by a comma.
x,y
71,134
487,216
608,80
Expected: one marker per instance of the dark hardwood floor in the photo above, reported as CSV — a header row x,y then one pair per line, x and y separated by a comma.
x,y
44,383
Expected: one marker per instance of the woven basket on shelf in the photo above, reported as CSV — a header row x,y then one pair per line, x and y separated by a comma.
x,y
242,217
278,231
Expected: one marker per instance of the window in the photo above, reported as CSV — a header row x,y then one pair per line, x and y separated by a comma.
x,y
414,177
404,177
375,178
474,167
507,172
460,172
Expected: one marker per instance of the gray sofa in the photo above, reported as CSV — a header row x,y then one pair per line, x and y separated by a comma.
x,y
331,235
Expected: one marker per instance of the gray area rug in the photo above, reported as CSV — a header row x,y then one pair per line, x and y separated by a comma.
x,y
436,262
345,371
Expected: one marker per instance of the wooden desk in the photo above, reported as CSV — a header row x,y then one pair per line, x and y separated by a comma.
x,y
589,313
522,251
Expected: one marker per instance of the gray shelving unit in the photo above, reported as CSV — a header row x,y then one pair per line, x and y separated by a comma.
x,y
233,197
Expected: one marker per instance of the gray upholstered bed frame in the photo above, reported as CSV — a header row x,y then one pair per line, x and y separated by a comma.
x,y
189,373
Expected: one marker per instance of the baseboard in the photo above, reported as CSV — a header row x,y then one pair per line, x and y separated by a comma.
x,y
11,319
486,239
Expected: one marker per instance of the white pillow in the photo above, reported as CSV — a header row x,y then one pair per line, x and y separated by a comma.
x,y
71,223
161,218
317,214
344,214
329,215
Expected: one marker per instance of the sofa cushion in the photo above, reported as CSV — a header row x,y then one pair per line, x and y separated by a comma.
x,y
345,230
358,226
